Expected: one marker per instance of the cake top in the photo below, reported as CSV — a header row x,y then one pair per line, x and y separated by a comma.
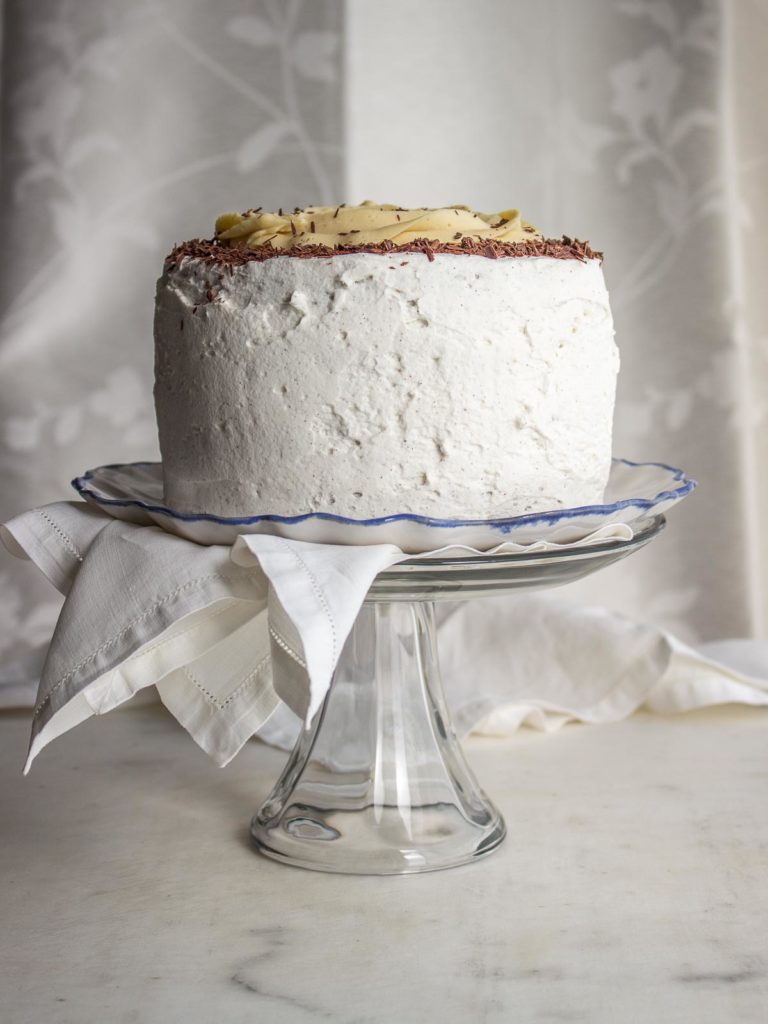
x,y
375,228
369,224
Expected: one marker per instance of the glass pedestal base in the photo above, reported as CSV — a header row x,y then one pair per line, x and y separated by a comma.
x,y
378,783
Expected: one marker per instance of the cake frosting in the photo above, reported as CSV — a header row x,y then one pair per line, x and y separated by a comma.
x,y
366,361
369,223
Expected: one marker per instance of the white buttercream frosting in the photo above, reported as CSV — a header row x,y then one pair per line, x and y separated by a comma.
x,y
367,384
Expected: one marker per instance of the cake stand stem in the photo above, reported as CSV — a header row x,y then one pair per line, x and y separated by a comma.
x,y
378,783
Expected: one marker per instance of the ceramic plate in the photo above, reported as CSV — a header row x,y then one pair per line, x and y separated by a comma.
x,y
134,491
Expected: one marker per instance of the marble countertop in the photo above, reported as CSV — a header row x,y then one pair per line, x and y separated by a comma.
x,y
633,887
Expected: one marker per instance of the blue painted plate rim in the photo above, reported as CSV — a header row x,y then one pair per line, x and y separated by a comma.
x,y
687,484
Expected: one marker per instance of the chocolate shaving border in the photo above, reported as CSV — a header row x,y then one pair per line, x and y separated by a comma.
x,y
212,251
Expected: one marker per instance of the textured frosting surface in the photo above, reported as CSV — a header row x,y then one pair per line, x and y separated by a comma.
x,y
365,385
368,224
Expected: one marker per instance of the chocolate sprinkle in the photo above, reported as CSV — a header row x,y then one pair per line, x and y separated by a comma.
x,y
212,251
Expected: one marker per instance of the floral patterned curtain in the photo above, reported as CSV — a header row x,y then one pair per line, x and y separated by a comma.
x,y
126,127
638,123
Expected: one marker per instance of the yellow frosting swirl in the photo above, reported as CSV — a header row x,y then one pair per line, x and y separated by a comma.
x,y
368,224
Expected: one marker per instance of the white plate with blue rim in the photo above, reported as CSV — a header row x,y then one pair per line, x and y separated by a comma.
x,y
636,492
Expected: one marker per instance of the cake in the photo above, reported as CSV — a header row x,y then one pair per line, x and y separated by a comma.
x,y
371,360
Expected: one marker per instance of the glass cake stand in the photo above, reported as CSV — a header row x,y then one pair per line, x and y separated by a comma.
x,y
377,783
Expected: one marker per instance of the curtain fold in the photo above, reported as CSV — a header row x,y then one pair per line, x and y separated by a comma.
x,y
745,83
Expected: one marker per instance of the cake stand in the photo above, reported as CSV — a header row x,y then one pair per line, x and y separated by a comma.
x,y
377,783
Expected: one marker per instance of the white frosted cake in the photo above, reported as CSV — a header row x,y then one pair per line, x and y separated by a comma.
x,y
371,360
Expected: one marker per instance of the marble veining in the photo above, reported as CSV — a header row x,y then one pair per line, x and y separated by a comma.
x,y
631,887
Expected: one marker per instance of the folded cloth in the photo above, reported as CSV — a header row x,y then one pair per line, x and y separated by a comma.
x,y
205,624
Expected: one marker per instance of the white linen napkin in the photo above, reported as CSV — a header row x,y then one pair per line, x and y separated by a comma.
x,y
206,624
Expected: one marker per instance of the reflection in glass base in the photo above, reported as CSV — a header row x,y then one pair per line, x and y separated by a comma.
x,y
379,784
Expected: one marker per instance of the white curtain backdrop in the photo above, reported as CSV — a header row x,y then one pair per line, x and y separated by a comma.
x,y
638,124
127,127
642,126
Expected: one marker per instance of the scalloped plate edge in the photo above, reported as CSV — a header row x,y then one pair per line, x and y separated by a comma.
x,y
410,532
